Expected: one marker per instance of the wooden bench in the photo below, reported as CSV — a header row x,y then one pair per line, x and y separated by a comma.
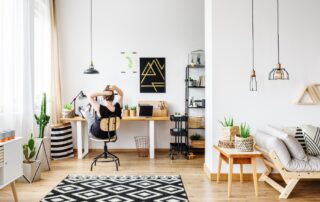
x,y
290,178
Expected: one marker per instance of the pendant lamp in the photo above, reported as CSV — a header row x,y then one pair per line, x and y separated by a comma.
x,y
253,78
278,73
91,69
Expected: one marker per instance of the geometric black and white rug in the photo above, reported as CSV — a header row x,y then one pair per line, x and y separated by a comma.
x,y
118,189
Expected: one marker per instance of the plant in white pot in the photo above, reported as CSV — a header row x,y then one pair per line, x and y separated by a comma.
x,y
30,167
68,111
42,142
229,131
243,140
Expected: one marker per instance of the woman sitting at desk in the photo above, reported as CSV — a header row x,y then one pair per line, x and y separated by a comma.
x,y
103,110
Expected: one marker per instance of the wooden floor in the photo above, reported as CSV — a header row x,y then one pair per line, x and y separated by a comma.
x,y
197,185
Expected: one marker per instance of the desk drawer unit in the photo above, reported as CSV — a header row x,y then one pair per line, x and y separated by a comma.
x,y
1,156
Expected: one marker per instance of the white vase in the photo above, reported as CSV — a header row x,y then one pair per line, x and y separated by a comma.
x,y
46,141
30,171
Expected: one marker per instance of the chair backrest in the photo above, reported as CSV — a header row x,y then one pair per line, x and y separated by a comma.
x,y
110,124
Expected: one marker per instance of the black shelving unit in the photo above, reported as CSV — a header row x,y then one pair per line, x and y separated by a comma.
x,y
180,135
187,93
188,87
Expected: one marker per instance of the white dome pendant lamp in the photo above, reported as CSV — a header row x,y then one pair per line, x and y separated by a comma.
x,y
91,69
253,78
278,73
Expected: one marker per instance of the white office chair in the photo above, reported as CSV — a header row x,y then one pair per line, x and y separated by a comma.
x,y
110,125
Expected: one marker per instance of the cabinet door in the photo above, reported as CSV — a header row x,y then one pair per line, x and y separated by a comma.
x,y
12,161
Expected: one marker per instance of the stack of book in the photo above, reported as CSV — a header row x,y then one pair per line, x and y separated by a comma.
x,y
7,135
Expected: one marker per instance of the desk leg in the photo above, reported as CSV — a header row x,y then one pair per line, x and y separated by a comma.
x,y
219,168
79,139
151,139
85,141
230,176
14,191
241,173
254,173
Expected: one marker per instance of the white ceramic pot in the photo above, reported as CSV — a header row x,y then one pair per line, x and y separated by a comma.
x,y
41,156
229,133
30,171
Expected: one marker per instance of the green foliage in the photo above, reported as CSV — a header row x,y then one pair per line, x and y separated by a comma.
x,y
227,122
134,108
195,136
42,119
68,106
29,149
177,114
244,130
126,107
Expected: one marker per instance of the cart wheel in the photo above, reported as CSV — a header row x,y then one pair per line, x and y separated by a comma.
x,y
172,157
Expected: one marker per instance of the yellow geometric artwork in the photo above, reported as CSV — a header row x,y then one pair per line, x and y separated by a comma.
x,y
152,75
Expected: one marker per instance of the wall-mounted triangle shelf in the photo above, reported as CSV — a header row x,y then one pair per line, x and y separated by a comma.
x,y
310,95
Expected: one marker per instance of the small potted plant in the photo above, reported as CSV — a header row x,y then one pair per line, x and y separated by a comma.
x,y
229,129
68,111
30,167
126,111
196,141
243,140
133,111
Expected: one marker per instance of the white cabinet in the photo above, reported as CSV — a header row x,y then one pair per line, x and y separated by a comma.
x,y
11,158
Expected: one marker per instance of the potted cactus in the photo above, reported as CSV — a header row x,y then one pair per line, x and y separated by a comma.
x,y
43,143
243,140
229,129
133,111
126,111
30,167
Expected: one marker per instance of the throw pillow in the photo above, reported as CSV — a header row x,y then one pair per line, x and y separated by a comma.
x,y
295,148
297,133
312,138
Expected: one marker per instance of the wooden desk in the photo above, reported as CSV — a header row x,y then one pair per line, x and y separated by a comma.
x,y
83,138
232,156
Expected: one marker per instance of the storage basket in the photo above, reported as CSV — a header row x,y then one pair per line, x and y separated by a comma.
x,y
61,141
142,145
226,144
196,122
244,144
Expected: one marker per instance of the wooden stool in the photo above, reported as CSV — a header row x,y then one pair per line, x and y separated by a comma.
x,y
232,156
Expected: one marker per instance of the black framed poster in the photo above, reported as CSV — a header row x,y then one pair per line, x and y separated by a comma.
x,y
152,75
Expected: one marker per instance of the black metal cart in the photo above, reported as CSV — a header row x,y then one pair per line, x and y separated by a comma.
x,y
180,136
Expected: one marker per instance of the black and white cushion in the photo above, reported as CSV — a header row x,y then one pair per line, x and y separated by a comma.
x,y
300,137
61,142
312,139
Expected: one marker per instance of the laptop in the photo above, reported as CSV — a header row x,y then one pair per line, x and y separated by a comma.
x,y
145,110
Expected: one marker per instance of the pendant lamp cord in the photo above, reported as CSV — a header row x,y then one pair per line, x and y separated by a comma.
x,y
252,32
91,28
278,31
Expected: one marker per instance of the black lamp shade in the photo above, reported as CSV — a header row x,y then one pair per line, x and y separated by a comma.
x,y
91,70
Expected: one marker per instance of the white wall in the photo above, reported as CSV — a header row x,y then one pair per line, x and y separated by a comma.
x,y
231,62
153,28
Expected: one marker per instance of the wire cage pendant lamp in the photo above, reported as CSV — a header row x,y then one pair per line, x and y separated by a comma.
x,y
278,73
91,69
253,77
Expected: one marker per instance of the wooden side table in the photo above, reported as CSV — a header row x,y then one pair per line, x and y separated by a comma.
x,y
231,157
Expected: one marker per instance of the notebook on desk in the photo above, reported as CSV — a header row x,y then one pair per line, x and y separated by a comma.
x,y
145,110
